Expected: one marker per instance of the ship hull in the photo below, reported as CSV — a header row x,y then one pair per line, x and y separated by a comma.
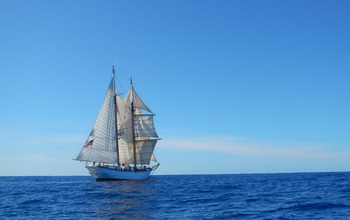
x,y
105,173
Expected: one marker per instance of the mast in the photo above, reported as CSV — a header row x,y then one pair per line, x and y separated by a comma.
x,y
133,125
116,116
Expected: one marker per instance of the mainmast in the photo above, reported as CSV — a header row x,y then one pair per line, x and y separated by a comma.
x,y
133,125
116,114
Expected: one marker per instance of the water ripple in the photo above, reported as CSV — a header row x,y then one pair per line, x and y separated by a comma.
x,y
258,196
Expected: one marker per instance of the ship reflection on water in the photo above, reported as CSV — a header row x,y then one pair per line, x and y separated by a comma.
x,y
125,199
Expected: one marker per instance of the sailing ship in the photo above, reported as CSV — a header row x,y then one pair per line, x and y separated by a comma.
x,y
121,143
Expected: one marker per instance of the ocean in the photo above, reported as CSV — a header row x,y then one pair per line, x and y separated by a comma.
x,y
236,196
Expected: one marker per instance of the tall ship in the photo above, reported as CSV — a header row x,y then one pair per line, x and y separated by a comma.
x,y
121,143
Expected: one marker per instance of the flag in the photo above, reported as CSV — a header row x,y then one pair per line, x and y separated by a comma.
x,y
88,143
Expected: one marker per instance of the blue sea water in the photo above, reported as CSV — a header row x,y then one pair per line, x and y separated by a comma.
x,y
250,196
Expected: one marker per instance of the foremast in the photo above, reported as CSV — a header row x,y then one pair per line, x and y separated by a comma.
x,y
133,124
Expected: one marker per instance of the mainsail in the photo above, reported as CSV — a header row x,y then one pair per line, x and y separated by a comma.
x,y
122,134
101,145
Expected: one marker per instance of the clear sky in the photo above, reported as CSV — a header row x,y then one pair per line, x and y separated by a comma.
x,y
237,86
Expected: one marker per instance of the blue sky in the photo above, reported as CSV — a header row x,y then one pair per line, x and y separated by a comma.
x,y
237,86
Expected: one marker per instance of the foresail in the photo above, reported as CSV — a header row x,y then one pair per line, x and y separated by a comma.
x,y
144,126
145,136
143,130
101,143
132,96
144,151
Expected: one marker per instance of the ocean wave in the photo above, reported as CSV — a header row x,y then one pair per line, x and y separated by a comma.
x,y
289,196
313,206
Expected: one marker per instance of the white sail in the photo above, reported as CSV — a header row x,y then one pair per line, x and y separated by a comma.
x,y
124,120
153,158
143,130
144,126
125,132
125,152
133,97
144,151
101,143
